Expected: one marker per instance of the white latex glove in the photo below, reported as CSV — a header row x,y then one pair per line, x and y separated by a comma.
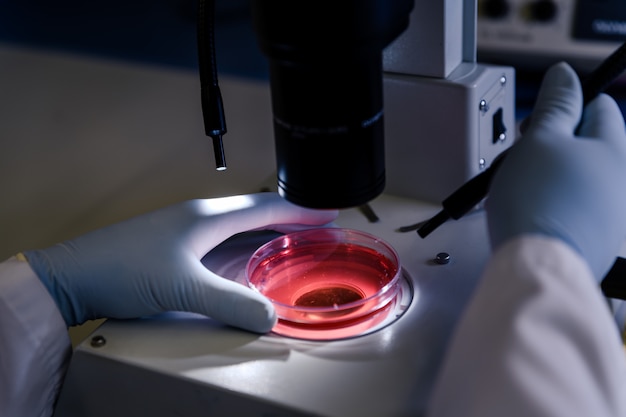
x,y
152,263
563,183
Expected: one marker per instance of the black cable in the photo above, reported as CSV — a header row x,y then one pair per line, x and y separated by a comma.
x,y
211,96
605,74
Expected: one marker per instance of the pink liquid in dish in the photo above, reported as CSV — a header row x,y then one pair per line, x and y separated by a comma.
x,y
325,282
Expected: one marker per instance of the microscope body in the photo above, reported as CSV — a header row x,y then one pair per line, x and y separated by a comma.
x,y
380,96
439,133
325,64
447,116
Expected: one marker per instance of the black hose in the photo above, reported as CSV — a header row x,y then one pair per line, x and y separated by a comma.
x,y
212,105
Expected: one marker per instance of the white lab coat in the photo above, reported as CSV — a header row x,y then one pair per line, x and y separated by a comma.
x,y
537,340
34,343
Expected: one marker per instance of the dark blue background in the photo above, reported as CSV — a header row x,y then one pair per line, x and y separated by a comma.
x,y
162,32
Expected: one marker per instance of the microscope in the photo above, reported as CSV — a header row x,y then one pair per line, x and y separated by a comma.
x,y
339,88
374,102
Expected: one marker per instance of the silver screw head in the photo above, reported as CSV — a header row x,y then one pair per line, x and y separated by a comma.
x,y
442,258
98,341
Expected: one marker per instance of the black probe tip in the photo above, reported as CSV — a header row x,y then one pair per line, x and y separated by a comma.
x,y
436,221
218,150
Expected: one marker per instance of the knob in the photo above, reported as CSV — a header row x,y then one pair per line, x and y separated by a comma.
x,y
494,9
542,10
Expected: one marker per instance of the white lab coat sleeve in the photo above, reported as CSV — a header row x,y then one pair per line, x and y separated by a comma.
x,y
34,343
537,339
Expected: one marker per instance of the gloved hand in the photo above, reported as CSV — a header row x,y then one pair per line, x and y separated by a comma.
x,y
562,182
152,263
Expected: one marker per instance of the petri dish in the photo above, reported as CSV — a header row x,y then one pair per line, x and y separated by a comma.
x,y
327,281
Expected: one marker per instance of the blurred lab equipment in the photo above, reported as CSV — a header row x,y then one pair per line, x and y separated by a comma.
x,y
534,34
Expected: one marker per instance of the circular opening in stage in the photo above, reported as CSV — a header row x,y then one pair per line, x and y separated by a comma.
x,y
327,283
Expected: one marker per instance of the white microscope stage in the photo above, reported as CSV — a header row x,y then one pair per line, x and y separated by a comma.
x,y
181,364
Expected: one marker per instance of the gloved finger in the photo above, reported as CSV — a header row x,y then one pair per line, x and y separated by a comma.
x,y
226,301
559,102
602,118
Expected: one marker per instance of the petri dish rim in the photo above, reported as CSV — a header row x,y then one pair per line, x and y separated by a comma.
x,y
391,285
